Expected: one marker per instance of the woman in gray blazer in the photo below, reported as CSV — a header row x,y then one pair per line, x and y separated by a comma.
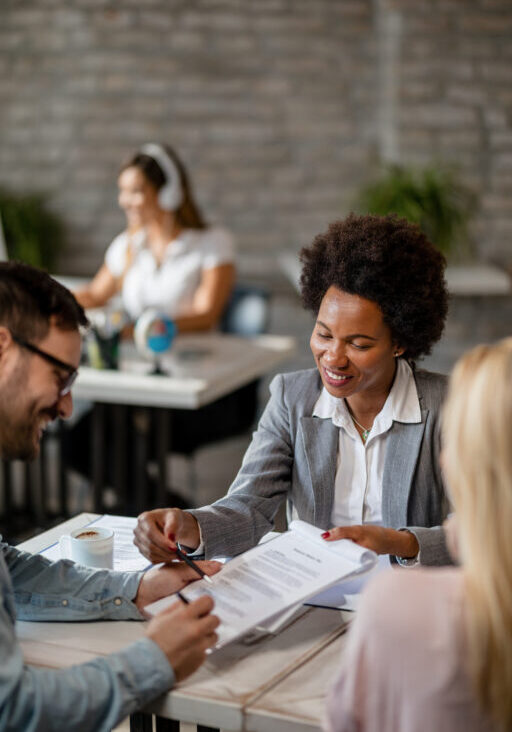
x,y
353,445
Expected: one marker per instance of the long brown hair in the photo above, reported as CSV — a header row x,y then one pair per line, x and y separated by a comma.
x,y
188,215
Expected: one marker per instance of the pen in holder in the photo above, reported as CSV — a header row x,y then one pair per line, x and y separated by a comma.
x,y
153,335
102,340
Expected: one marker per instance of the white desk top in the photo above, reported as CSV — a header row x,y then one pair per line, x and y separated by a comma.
x,y
202,368
234,682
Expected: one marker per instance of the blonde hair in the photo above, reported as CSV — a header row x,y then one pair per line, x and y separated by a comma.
x,y
477,458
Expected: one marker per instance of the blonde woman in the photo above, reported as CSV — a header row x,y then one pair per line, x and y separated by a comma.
x,y
432,649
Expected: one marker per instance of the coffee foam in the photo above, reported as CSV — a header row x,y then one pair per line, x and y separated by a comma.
x,y
87,535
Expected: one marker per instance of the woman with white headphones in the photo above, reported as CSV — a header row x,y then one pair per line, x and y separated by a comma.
x,y
167,258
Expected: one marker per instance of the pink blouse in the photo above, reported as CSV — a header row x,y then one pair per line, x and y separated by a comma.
x,y
403,667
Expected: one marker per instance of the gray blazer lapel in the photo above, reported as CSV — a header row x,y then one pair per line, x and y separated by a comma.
x,y
320,442
402,456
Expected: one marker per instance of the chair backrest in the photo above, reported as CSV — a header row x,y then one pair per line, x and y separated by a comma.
x,y
247,312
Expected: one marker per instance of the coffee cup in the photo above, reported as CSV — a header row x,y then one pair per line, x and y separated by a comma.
x,y
92,546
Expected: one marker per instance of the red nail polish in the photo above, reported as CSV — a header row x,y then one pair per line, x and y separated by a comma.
x,y
326,534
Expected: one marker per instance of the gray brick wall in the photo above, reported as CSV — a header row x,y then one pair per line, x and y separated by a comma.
x,y
455,103
280,108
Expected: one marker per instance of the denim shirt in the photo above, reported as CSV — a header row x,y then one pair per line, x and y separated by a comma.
x,y
91,696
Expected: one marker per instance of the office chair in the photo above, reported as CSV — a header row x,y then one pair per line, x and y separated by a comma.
x,y
247,314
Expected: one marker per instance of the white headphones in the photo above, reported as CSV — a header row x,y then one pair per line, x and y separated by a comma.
x,y
170,195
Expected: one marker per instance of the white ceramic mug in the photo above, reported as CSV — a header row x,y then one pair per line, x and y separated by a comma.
x,y
92,546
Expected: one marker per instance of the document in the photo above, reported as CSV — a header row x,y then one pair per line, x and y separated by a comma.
x,y
127,557
270,578
346,594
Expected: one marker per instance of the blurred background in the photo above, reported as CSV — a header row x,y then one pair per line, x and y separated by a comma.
x,y
281,109
288,114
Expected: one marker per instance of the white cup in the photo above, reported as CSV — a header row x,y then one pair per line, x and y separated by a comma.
x,y
92,546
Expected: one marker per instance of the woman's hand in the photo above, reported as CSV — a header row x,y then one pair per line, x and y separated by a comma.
x,y
158,531
99,291
377,538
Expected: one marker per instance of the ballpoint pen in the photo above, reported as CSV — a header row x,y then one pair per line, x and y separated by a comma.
x,y
181,555
183,598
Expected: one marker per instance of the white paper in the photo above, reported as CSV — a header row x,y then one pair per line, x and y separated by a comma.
x,y
127,557
268,579
345,595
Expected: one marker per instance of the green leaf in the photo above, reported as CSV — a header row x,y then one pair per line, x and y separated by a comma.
x,y
33,234
432,197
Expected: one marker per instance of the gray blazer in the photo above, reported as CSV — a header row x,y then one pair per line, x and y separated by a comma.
x,y
293,455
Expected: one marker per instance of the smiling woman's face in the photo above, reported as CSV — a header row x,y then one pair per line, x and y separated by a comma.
x,y
352,346
137,197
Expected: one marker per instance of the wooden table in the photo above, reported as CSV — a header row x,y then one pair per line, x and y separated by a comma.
x,y
276,685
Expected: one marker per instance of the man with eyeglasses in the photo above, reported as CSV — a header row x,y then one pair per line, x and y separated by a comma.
x,y
40,347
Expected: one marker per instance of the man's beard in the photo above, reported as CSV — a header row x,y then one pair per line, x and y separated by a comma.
x,y
20,420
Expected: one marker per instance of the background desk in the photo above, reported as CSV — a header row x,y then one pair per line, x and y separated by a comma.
x,y
201,368
276,685
136,405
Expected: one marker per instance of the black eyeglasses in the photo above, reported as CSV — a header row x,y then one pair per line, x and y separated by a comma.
x,y
66,382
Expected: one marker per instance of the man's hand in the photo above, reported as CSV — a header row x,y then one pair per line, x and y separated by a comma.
x,y
163,581
184,633
158,531
378,539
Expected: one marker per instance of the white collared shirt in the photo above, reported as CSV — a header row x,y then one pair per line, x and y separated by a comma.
x,y
360,466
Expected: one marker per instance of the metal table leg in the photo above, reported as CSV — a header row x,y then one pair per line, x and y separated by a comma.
x,y
121,452
166,725
7,492
34,489
162,435
128,448
141,722
141,425
98,454
63,483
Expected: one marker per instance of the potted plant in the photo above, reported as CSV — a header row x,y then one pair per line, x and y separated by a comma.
x,y
435,199
32,233
431,197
